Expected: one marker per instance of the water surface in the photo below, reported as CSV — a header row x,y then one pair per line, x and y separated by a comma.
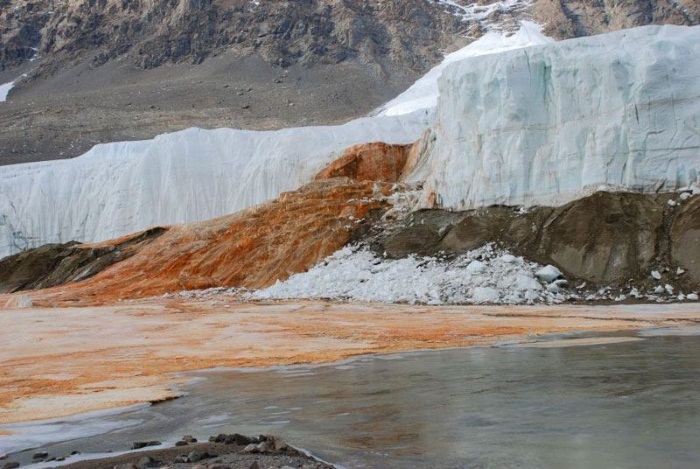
x,y
617,405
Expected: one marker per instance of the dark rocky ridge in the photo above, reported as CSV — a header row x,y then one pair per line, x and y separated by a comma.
x,y
604,239
564,19
57,264
155,32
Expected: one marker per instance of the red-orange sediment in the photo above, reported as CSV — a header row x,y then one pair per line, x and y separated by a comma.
x,y
57,361
65,354
370,162
251,249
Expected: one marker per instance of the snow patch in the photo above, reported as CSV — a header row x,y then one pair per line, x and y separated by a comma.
x,y
5,90
548,274
480,12
484,275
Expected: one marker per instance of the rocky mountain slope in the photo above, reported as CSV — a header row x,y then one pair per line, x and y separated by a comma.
x,y
109,70
114,70
575,18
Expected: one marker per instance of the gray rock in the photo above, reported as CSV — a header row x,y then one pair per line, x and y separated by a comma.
x,y
262,447
144,444
420,239
276,443
10,465
56,264
685,239
237,439
147,462
251,448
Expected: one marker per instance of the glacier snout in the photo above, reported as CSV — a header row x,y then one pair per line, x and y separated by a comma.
x,y
551,123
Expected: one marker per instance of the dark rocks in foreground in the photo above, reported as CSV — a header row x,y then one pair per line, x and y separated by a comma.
x,y
221,452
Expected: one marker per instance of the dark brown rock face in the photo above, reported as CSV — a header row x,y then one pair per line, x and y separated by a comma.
x,y
155,32
606,238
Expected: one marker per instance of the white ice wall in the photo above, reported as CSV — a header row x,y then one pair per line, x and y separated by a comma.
x,y
547,124
193,175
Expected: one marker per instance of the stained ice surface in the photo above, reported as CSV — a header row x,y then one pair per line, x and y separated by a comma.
x,y
193,175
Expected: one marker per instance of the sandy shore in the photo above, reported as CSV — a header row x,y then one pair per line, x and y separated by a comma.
x,y
62,361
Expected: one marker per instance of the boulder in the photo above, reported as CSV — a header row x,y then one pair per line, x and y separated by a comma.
x,y
144,444
604,238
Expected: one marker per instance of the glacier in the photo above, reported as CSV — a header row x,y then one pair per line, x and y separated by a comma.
x,y
547,124
193,175
423,94
521,120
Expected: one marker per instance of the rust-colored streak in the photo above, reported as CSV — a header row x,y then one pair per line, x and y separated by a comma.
x,y
251,249
370,162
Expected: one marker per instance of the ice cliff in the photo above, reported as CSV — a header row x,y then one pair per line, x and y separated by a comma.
x,y
551,123
193,175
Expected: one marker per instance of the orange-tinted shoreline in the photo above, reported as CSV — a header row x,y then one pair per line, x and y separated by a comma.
x,y
63,361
